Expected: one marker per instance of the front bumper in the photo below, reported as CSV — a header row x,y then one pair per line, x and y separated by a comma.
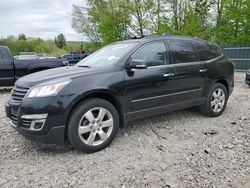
x,y
39,119
247,78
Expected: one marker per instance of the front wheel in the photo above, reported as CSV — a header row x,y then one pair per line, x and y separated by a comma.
x,y
93,125
216,101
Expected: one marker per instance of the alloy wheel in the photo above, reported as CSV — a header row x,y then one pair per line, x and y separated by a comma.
x,y
95,126
218,100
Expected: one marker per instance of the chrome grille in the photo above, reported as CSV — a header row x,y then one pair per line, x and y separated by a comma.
x,y
18,93
26,123
14,120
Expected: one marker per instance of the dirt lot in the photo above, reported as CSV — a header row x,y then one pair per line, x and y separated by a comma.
x,y
171,150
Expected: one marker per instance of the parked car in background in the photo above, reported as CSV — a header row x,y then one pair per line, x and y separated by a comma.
x,y
87,103
248,77
33,56
26,57
74,58
11,70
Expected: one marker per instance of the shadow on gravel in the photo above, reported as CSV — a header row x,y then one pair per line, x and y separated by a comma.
x,y
157,119
5,91
53,149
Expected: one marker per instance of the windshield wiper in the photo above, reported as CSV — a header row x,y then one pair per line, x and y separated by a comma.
x,y
86,66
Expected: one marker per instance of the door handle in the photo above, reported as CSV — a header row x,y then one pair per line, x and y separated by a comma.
x,y
203,70
168,75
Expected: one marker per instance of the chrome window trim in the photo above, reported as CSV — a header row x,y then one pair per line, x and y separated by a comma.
x,y
172,63
160,96
188,63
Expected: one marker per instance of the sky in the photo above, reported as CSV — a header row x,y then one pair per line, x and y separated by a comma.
x,y
38,18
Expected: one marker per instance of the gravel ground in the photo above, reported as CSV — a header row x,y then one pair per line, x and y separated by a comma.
x,y
178,149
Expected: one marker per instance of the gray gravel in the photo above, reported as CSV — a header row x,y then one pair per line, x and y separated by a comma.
x,y
178,149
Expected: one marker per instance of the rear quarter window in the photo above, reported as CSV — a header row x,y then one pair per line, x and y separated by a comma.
x,y
183,52
207,51
215,51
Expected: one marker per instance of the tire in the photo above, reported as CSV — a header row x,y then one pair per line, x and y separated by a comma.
x,y
209,108
91,133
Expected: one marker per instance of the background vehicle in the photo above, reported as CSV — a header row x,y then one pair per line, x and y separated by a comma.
x,y
124,81
248,78
11,70
74,58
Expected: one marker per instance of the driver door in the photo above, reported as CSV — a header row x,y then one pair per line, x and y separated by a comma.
x,y
148,91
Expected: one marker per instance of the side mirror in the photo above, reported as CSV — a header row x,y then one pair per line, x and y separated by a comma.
x,y
136,64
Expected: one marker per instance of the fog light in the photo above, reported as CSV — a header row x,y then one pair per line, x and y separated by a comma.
x,y
38,125
37,121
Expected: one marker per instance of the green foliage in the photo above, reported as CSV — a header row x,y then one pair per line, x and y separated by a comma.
x,y
45,47
21,37
221,21
60,41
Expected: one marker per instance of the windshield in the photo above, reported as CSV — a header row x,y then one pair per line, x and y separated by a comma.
x,y
107,56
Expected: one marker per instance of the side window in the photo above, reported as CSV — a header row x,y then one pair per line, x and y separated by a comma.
x,y
203,51
1,55
183,52
214,51
152,54
4,54
207,51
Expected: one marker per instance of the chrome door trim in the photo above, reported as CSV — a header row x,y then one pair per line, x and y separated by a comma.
x,y
167,95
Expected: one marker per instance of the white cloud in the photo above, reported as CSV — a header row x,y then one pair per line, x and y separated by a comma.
x,y
38,18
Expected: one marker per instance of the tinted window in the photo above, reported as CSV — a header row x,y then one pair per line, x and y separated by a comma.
x,y
152,54
207,51
214,51
183,52
1,56
4,54
203,51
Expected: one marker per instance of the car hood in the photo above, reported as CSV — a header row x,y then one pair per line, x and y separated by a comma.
x,y
55,74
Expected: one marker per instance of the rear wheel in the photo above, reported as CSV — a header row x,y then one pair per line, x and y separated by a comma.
x,y
216,101
93,125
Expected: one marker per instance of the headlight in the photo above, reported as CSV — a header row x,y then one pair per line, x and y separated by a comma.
x,y
47,90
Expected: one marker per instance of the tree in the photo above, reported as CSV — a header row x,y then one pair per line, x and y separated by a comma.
x,y
22,37
82,23
60,41
222,21
111,20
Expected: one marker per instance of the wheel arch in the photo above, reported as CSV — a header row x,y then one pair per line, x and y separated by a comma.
x,y
225,83
102,94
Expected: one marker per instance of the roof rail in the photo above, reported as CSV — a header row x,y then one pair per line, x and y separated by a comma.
x,y
166,34
138,37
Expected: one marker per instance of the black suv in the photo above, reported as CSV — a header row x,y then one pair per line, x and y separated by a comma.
x,y
86,104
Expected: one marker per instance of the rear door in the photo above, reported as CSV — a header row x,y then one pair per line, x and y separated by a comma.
x,y
190,72
6,68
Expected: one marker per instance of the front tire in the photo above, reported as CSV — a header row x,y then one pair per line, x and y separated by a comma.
x,y
216,101
93,125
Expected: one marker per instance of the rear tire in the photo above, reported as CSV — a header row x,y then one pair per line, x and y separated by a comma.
x,y
216,101
93,125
